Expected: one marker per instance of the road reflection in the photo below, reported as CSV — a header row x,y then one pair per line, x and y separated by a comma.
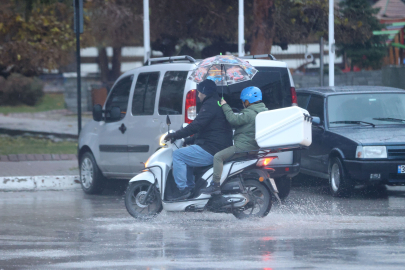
x,y
311,230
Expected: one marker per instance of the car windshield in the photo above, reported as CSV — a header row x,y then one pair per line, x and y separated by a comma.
x,y
377,109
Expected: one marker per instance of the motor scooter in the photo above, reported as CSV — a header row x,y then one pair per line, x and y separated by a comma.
x,y
246,185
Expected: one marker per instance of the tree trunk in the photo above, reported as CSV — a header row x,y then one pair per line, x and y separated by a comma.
x,y
116,64
263,26
103,64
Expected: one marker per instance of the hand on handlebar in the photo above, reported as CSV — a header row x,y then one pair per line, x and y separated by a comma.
x,y
170,137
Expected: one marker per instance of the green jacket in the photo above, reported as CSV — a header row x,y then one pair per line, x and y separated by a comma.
x,y
244,124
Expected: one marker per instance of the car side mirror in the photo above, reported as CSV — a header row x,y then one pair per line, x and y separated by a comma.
x,y
168,122
316,120
97,113
115,114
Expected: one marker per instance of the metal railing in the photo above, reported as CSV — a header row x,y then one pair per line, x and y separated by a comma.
x,y
257,56
171,59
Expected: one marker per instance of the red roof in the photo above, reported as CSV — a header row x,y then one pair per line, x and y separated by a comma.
x,y
390,10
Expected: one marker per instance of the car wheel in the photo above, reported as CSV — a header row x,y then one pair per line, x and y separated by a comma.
x,y
91,178
340,185
283,186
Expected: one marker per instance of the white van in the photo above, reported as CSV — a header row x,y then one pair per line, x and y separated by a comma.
x,y
127,129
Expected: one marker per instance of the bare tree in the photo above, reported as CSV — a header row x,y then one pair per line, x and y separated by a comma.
x,y
264,27
113,23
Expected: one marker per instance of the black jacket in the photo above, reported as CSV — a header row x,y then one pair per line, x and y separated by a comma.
x,y
212,131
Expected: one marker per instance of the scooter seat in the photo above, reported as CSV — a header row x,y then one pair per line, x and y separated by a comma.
x,y
242,157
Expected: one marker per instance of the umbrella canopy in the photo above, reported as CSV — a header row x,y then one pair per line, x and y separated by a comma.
x,y
223,70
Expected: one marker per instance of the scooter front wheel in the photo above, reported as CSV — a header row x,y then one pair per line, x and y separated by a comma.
x,y
138,205
260,201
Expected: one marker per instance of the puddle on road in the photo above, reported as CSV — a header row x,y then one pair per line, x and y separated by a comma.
x,y
309,216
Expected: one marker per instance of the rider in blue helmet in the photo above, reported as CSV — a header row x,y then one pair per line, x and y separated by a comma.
x,y
251,94
244,136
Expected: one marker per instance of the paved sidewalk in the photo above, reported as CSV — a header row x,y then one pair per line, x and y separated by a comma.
x,y
58,122
39,168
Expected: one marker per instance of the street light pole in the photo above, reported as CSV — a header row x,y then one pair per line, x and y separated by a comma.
x,y
321,50
78,30
331,44
146,32
241,30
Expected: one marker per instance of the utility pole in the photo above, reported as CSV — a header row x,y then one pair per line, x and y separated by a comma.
x,y
78,12
241,30
146,31
331,44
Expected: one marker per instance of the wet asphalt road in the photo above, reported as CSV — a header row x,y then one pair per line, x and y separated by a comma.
x,y
71,230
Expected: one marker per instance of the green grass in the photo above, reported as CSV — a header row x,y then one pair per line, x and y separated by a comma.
x,y
49,102
30,145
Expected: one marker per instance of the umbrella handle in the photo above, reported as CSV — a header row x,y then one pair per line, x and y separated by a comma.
x,y
219,104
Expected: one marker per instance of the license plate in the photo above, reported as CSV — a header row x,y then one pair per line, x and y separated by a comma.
x,y
401,168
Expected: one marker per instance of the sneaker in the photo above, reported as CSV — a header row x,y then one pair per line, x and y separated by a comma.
x,y
214,188
182,195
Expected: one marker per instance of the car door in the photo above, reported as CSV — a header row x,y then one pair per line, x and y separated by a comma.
x,y
312,158
112,134
143,125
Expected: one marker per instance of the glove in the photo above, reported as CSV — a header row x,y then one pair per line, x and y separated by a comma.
x,y
188,141
170,137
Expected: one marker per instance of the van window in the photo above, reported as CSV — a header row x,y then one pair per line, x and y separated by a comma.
x,y
273,82
143,101
119,95
171,93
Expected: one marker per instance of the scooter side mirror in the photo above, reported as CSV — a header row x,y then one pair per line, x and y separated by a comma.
x,y
168,120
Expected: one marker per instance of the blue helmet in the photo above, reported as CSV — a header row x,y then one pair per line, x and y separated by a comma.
x,y
251,94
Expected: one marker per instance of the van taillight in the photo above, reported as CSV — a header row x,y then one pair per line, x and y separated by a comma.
x,y
191,106
293,96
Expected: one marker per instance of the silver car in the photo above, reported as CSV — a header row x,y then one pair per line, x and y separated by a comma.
x,y
128,128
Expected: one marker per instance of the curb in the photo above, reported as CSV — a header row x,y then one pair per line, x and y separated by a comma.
x,y
37,157
24,183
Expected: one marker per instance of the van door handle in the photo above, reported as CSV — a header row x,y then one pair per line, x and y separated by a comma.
x,y
122,128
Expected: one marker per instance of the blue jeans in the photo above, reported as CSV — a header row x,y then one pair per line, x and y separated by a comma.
x,y
184,160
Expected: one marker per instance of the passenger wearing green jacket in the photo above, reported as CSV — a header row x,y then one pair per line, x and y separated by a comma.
x,y
244,136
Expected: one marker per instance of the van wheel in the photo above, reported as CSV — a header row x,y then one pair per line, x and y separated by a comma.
x,y
91,178
340,185
283,186
260,203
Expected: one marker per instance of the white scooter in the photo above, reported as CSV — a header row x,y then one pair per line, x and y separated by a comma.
x,y
246,186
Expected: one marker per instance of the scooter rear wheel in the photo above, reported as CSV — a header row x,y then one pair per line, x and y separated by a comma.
x,y
261,201
136,204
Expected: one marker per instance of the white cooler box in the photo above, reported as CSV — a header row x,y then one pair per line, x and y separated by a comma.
x,y
286,128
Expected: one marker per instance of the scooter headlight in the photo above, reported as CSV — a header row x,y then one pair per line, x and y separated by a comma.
x,y
162,141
